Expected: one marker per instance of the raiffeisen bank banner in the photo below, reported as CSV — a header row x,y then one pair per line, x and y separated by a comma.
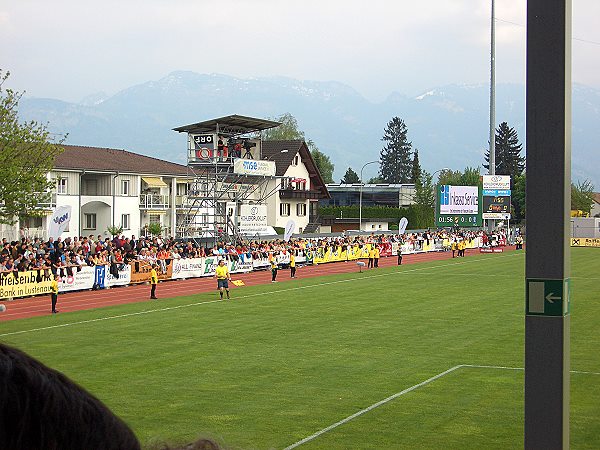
x,y
459,200
254,167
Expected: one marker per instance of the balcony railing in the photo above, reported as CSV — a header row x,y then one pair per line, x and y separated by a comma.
x,y
154,201
299,193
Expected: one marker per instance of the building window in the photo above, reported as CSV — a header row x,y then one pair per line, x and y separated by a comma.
x,y
296,160
301,185
89,221
285,183
154,218
91,186
125,187
284,209
301,209
61,187
125,223
31,222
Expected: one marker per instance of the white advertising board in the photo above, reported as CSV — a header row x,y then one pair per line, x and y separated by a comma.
x,y
254,167
496,182
84,279
459,200
252,219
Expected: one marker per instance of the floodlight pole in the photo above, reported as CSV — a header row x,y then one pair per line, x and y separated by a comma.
x,y
547,264
360,195
492,159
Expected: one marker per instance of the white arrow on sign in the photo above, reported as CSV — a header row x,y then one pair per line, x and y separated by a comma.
x,y
550,297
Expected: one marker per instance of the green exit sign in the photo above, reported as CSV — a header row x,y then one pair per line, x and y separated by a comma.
x,y
547,297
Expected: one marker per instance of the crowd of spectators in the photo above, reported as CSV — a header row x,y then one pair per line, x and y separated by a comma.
x,y
60,256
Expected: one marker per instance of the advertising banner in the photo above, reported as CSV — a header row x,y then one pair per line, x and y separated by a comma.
x,y
458,206
79,281
139,271
254,167
187,268
123,279
253,219
24,284
496,182
459,199
585,242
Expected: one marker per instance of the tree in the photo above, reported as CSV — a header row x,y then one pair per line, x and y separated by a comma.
x,y
323,163
416,168
26,156
375,180
350,177
582,196
518,196
288,130
424,199
507,152
395,157
470,177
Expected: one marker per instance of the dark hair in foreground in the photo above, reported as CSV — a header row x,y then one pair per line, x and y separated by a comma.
x,y
40,408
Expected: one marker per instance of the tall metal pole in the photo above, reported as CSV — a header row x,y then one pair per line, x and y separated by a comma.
x,y
360,194
547,265
492,139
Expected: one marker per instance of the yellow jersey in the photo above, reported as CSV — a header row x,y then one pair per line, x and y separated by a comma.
x,y
376,252
153,277
292,260
54,286
222,272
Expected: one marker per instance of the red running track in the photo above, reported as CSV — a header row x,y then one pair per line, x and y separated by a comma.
x,y
82,300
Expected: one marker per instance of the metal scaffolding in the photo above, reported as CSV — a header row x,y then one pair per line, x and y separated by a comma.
x,y
225,170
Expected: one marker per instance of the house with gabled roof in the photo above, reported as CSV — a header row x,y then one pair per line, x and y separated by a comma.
x,y
299,185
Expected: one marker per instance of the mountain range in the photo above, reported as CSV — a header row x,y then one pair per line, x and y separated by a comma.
x,y
448,125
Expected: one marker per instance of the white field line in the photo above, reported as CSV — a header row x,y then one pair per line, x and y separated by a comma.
x,y
259,294
406,391
373,406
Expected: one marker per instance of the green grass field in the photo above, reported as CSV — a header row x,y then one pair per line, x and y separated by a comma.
x,y
283,362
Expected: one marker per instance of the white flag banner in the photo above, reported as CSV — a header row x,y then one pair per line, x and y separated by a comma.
x,y
402,225
289,230
59,221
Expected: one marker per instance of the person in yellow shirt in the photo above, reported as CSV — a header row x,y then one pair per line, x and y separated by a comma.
x,y
371,256
293,263
453,247
153,282
376,256
54,293
223,278
274,268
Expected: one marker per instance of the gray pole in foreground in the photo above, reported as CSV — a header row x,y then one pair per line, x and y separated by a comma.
x,y
547,268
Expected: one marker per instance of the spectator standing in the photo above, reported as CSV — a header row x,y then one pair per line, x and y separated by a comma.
x,y
273,269
376,255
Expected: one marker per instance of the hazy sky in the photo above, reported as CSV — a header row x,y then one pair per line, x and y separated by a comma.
x,y
68,49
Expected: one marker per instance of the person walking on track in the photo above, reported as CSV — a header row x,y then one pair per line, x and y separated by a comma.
x,y
54,293
293,264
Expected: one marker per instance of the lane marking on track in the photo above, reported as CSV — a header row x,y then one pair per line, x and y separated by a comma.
x,y
406,391
258,294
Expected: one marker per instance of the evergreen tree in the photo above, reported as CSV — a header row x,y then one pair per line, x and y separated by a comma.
x,y
416,168
395,157
350,177
518,197
508,152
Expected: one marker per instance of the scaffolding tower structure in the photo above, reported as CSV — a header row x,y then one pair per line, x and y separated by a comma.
x,y
225,170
